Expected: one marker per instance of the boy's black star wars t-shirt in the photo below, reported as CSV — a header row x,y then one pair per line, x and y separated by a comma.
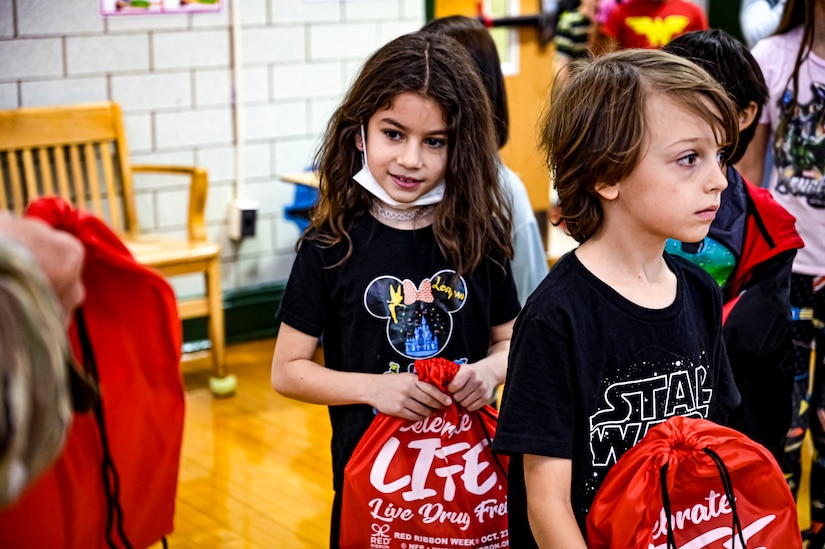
x,y
395,300
590,372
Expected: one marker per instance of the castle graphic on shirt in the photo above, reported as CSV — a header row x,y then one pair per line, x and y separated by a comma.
x,y
418,314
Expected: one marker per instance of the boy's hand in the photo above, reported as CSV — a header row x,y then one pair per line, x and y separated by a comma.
x,y
403,395
473,386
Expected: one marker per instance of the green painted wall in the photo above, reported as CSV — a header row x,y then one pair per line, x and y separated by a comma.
x,y
248,315
724,14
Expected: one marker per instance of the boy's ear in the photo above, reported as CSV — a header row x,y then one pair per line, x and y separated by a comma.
x,y
747,115
606,190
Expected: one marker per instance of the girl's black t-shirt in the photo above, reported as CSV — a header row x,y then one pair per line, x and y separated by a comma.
x,y
395,300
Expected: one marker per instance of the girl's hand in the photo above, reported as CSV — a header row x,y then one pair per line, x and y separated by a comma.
x,y
473,385
403,395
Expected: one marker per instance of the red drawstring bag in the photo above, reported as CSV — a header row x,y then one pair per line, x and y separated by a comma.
x,y
693,484
431,483
112,486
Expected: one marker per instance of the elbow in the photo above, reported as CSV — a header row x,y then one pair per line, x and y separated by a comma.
x,y
275,382
278,379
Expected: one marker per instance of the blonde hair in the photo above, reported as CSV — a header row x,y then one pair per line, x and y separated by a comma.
x,y
595,127
35,401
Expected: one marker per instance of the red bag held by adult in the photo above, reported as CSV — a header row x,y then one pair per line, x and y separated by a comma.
x,y
113,487
693,484
433,483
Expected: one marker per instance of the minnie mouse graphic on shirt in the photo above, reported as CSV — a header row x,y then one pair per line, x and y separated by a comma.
x,y
418,313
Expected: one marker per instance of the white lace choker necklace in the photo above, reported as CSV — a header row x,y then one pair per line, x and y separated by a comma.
x,y
401,215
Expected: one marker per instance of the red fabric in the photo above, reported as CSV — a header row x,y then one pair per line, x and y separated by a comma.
x,y
628,511
432,483
780,224
132,321
651,24
728,307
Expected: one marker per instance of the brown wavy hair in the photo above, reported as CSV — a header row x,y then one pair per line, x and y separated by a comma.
x,y
796,13
594,129
473,35
472,220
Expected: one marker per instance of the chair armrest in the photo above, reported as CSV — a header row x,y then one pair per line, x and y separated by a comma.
x,y
198,188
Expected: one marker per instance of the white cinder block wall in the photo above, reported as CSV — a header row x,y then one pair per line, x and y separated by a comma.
x,y
172,75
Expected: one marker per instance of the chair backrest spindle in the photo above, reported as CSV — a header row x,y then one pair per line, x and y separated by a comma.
x,y
45,165
16,184
28,173
4,201
62,175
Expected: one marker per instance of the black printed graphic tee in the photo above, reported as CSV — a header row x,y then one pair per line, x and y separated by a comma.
x,y
395,300
590,372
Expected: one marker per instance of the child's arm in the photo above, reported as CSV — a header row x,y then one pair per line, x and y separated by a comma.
x,y
296,375
474,384
547,481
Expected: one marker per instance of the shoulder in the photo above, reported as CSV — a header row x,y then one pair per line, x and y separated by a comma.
x,y
778,222
618,13
778,47
561,288
765,203
319,245
683,5
692,8
514,187
509,180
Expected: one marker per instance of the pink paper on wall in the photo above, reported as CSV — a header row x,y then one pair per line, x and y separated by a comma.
x,y
155,7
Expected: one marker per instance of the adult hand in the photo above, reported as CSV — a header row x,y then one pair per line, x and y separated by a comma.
x,y
58,254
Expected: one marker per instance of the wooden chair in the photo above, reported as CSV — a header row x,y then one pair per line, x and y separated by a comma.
x,y
79,152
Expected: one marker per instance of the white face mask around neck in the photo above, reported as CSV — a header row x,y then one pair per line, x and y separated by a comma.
x,y
365,178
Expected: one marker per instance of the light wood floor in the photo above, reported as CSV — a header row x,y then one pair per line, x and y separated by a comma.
x,y
255,469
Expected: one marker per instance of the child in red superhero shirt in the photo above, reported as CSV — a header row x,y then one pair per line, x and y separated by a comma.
x,y
650,24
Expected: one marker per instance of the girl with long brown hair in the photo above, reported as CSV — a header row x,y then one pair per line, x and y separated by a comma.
x,y
407,255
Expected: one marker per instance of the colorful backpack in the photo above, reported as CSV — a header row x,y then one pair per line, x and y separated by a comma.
x,y
691,484
432,483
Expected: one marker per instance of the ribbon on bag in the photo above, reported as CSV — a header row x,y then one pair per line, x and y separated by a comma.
x,y
433,483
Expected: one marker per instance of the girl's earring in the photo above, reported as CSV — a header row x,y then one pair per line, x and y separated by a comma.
x,y
362,145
